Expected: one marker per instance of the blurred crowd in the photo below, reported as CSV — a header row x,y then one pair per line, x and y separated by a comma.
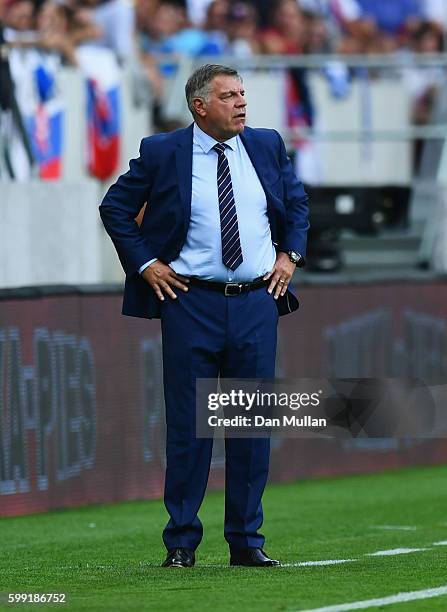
x,y
144,30
231,27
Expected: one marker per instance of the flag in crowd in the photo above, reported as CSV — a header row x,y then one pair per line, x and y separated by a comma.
x,y
40,141
103,111
45,126
35,79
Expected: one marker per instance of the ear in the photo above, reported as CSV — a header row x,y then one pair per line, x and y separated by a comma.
x,y
199,107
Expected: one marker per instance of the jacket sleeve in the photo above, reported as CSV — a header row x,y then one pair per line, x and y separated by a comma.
x,y
120,206
296,204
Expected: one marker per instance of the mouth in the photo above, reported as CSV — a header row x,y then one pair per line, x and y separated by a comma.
x,y
240,116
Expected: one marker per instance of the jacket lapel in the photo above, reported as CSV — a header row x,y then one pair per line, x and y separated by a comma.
x,y
258,156
183,160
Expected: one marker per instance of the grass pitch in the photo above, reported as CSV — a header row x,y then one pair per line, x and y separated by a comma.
x,y
107,557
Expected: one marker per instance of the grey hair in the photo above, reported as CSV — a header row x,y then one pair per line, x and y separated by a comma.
x,y
199,83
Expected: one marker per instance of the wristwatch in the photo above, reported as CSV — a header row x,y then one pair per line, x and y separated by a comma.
x,y
297,259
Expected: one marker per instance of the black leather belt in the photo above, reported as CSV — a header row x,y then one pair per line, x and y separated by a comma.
x,y
228,289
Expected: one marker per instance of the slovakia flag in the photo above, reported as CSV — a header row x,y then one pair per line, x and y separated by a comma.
x,y
103,111
103,132
45,126
42,108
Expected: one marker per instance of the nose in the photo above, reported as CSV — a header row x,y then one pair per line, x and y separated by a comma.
x,y
241,101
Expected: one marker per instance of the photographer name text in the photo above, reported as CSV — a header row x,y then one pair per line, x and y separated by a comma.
x,y
260,421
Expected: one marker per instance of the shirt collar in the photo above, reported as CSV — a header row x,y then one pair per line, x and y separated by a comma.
x,y
207,142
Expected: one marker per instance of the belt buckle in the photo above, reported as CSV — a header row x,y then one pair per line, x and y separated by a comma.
x,y
232,289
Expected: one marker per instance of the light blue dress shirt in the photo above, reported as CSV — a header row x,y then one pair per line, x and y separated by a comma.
x,y
201,254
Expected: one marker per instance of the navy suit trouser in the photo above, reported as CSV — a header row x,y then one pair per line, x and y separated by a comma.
x,y
206,335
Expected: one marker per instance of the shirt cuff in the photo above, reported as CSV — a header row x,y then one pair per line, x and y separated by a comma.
x,y
146,265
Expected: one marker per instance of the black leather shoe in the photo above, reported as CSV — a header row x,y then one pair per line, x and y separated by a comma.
x,y
251,557
179,557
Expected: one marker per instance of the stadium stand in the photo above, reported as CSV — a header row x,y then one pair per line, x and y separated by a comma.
x,y
85,74
360,99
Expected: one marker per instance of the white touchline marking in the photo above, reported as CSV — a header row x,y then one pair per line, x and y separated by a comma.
x,y
326,562
394,527
383,601
395,551
442,543
297,564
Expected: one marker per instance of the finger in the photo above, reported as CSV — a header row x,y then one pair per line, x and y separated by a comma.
x,y
268,275
278,289
273,282
180,277
167,289
284,287
158,292
176,283
281,287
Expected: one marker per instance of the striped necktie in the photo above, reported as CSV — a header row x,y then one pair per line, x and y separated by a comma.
x,y
231,244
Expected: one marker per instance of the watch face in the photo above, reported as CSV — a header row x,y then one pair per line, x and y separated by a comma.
x,y
294,257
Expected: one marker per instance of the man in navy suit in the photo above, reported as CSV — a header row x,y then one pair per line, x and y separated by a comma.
x,y
224,228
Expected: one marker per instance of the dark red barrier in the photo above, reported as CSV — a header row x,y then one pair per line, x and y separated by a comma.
x,y
81,404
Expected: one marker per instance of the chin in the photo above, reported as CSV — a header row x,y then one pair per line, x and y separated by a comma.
x,y
233,130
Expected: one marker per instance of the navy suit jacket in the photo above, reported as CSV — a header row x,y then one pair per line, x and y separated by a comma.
x,y
162,177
